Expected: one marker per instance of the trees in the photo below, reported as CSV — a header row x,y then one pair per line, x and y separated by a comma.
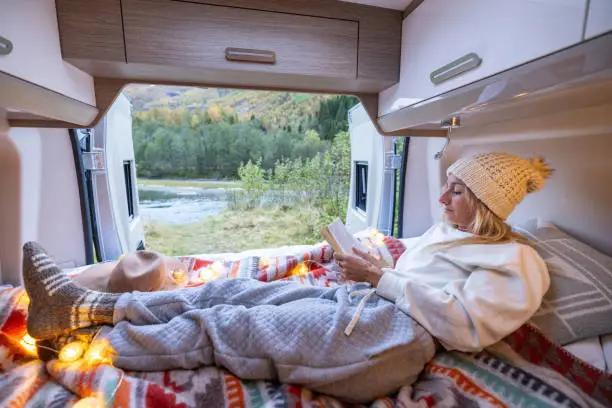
x,y
320,184
213,142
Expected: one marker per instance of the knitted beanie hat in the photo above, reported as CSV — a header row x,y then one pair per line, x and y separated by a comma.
x,y
501,180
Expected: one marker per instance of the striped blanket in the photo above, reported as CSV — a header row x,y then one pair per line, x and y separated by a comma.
x,y
525,370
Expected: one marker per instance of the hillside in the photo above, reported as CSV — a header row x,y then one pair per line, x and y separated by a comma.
x,y
275,109
201,133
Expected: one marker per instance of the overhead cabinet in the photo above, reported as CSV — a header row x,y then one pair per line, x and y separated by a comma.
x,y
31,52
310,45
176,33
447,44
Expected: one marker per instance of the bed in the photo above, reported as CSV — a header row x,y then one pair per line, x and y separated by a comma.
x,y
526,369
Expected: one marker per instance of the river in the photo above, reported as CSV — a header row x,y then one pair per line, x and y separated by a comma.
x,y
186,205
180,205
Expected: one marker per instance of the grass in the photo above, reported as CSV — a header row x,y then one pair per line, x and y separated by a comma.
x,y
188,183
235,231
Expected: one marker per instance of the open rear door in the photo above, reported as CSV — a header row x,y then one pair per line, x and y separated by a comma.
x,y
374,166
111,180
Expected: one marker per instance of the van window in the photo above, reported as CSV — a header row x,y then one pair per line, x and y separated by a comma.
x,y
129,186
361,187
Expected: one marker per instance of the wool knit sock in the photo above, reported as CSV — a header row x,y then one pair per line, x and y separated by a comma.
x,y
57,304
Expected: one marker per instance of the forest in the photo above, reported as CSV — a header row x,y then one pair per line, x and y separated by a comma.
x,y
212,142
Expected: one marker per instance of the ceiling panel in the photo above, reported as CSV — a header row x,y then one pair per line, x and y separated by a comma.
x,y
391,4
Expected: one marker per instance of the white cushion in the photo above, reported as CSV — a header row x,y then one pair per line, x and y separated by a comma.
x,y
589,350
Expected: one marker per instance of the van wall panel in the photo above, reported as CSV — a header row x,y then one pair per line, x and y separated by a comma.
x,y
50,202
577,144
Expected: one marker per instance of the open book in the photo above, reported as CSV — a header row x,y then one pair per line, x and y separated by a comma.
x,y
341,240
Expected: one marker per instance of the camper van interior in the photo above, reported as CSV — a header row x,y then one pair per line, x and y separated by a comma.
x,y
450,79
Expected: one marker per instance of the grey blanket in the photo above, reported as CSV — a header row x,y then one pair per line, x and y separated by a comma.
x,y
275,331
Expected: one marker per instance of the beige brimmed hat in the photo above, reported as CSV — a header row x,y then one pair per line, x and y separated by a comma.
x,y
501,180
143,271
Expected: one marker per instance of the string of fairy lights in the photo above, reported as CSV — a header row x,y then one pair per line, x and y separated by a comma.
x,y
80,353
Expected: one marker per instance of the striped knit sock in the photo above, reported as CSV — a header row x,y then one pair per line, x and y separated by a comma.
x,y
57,304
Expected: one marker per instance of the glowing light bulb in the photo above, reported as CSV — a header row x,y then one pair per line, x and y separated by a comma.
x,y
300,269
72,351
179,275
207,274
373,232
24,300
88,402
218,267
99,352
94,356
29,344
29,340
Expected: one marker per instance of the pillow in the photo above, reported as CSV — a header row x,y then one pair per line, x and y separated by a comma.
x,y
578,303
589,350
606,345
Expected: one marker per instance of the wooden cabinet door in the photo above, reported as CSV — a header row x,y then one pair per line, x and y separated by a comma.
x,y
175,33
91,29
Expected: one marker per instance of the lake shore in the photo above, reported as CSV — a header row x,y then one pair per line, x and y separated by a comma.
x,y
189,183
234,231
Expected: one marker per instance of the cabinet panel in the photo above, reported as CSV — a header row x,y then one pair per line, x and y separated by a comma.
x,y
91,29
502,33
599,19
177,33
31,26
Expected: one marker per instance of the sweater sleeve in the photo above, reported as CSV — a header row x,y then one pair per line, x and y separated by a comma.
x,y
499,296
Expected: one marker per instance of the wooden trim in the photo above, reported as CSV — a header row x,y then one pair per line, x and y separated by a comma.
x,y
91,29
411,7
108,89
38,122
335,9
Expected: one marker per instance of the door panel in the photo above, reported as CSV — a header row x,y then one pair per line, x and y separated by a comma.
x,y
373,175
112,175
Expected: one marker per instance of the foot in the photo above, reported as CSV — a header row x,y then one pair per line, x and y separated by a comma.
x,y
57,304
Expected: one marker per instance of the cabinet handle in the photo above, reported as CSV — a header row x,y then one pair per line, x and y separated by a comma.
x,y
457,67
246,55
6,46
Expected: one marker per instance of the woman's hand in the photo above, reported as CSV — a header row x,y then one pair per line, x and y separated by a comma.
x,y
360,267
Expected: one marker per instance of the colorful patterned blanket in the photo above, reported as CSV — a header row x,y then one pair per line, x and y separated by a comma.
x,y
525,370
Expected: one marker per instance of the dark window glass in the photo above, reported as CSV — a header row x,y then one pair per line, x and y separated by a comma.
x,y
129,186
361,188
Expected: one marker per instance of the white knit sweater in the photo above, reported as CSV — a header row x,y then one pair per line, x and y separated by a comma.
x,y
468,296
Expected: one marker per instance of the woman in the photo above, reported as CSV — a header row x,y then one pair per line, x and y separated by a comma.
x,y
468,282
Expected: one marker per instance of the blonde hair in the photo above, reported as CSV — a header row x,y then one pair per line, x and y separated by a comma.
x,y
487,227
